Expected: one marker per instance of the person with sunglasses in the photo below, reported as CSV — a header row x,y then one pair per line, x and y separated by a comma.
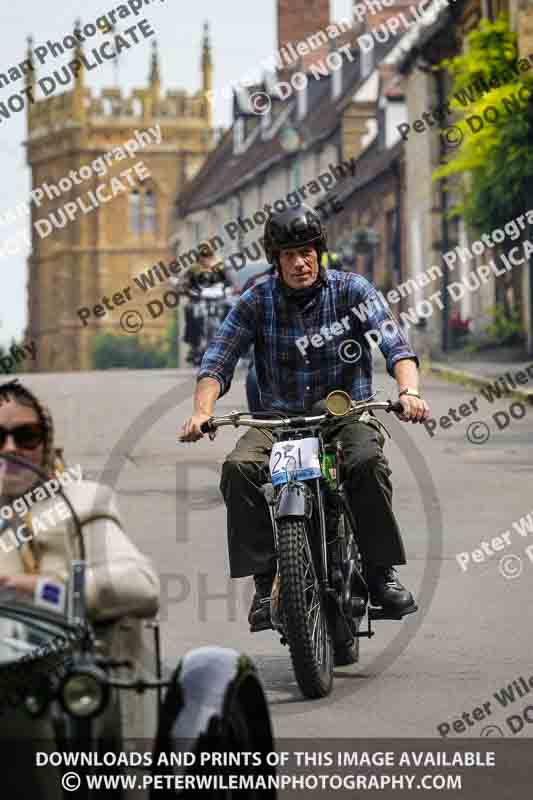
x,y
26,431
120,581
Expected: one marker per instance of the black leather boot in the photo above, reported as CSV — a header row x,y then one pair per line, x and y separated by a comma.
x,y
387,592
259,616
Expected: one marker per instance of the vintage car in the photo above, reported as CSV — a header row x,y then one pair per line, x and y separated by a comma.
x,y
66,688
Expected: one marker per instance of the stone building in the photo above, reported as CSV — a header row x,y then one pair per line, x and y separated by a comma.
x,y
98,250
368,233
335,122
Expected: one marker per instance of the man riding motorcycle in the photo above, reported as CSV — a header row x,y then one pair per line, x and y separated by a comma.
x,y
205,274
289,319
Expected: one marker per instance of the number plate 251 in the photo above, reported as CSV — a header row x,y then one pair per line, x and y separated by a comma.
x,y
296,459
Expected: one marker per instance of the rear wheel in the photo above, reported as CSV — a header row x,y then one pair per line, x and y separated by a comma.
x,y
304,620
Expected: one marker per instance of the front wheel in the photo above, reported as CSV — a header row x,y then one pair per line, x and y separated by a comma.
x,y
304,620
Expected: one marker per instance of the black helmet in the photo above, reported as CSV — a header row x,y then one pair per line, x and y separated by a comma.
x,y
294,227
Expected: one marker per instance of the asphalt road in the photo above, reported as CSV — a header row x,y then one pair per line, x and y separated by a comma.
x,y
472,635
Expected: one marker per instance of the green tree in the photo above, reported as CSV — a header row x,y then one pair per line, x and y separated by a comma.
x,y
110,351
497,162
16,366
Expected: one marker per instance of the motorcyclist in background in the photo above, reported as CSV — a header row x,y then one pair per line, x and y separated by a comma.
x,y
208,272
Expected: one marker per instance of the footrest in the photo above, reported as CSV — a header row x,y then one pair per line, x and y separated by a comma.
x,y
375,612
262,626
368,634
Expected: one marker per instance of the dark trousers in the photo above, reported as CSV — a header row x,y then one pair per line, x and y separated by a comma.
x,y
194,325
369,490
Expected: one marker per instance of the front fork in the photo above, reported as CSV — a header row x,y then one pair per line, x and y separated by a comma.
x,y
295,499
270,497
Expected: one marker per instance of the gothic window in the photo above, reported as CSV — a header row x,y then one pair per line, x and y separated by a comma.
x,y
135,211
150,224
143,211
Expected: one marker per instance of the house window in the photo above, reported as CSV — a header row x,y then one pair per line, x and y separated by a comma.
x,y
142,211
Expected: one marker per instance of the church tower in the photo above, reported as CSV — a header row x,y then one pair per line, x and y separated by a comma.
x,y
97,250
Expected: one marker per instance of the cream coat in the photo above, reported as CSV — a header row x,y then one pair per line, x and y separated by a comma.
x,y
122,587
120,580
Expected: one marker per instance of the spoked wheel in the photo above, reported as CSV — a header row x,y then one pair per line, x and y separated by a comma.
x,y
304,620
345,655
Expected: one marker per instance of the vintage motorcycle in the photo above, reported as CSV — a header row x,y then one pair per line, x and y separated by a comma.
x,y
319,595
59,686
207,308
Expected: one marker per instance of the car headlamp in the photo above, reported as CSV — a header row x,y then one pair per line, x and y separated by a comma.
x,y
338,403
84,692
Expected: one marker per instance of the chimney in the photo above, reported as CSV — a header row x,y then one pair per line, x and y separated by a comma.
x,y
302,31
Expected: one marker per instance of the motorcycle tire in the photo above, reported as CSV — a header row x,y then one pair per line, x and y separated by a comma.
x,y
308,636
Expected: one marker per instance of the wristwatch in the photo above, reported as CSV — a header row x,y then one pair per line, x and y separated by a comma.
x,y
409,392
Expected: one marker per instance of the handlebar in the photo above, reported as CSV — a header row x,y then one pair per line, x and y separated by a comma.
x,y
237,418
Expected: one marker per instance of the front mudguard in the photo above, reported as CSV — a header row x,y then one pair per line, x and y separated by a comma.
x,y
295,500
203,689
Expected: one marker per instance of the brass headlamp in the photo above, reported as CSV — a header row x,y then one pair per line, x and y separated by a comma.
x,y
339,403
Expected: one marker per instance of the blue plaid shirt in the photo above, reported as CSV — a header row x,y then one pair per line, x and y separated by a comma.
x,y
303,354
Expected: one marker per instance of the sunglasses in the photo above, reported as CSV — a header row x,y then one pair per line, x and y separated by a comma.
x,y
28,437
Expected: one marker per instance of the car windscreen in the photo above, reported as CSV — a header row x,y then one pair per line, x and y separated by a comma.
x,y
27,634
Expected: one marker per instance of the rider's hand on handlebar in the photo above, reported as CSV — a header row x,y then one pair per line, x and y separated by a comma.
x,y
414,409
190,431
